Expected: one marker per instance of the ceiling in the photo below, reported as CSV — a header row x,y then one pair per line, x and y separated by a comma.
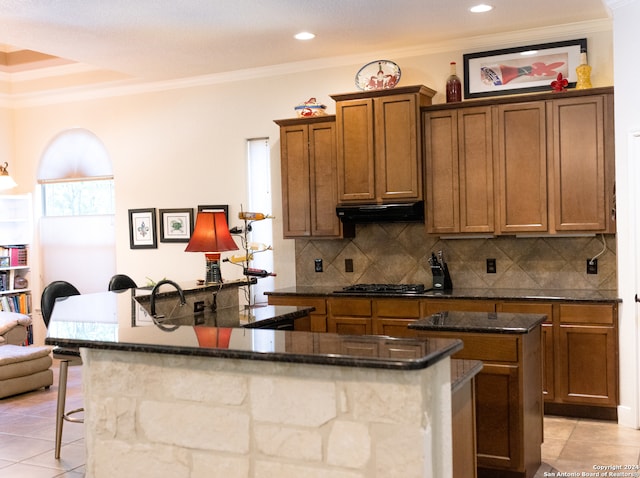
x,y
153,40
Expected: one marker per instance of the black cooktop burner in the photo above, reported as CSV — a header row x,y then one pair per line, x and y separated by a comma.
x,y
383,289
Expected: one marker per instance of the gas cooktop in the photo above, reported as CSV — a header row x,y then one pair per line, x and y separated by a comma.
x,y
382,289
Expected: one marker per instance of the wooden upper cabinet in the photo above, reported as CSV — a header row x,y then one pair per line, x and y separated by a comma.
x,y
309,177
579,197
379,144
522,167
459,170
356,175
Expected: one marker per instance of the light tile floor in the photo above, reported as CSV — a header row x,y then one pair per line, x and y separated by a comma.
x,y
27,430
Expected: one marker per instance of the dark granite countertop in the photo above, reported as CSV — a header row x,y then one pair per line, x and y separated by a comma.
x,y
607,296
114,321
479,322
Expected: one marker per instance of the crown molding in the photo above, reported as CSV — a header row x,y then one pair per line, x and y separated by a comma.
x,y
132,86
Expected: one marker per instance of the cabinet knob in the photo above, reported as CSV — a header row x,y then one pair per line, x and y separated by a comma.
x,y
637,300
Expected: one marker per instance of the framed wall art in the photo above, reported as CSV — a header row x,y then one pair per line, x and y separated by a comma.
x,y
523,69
176,225
142,229
217,207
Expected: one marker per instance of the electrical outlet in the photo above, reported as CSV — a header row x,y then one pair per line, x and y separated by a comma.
x,y
198,306
348,265
491,266
318,265
592,266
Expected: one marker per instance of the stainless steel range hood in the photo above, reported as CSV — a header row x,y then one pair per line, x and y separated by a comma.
x,y
372,213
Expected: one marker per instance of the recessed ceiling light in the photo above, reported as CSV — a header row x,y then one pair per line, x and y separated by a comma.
x,y
481,8
304,36
529,52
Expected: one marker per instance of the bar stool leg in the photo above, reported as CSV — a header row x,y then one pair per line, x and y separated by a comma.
x,y
62,395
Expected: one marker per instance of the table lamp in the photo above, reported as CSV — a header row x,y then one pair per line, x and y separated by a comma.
x,y
211,236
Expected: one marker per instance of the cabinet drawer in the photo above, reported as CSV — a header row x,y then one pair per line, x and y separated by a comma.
x,y
587,314
527,308
438,305
350,307
403,309
485,347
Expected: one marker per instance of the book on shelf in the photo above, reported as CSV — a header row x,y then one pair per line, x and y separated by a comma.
x,y
16,303
18,256
4,280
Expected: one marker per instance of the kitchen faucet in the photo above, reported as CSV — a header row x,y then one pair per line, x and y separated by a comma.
x,y
155,290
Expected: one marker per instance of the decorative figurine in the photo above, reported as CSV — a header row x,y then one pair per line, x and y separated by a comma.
x,y
310,108
559,84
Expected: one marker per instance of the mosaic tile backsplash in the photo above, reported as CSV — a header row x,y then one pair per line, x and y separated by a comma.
x,y
399,253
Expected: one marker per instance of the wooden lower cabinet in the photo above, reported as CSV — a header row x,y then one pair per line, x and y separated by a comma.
x,y
508,400
588,358
392,316
580,356
579,340
349,316
317,321
373,316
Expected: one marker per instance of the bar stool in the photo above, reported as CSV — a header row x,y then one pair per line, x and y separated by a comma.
x,y
67,356
121,282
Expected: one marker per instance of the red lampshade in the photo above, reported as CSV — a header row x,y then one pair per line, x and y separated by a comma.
x,y
211,234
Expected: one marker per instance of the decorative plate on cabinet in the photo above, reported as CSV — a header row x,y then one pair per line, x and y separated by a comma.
x,y
378,75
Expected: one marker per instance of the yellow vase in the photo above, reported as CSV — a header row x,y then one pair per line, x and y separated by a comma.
x,y
584,73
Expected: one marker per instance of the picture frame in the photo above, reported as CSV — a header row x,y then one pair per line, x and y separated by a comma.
x,y
217,207
142,228
176,225
522,69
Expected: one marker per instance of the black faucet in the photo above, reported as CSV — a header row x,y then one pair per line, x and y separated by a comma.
x,y
155,289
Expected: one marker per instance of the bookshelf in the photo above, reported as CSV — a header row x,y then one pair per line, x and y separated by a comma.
x,y
15,237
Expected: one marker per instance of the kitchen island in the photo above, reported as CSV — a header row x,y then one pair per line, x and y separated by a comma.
x,y
580,335
192,400
509,404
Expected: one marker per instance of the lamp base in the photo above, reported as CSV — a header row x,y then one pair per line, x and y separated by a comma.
x,y
213,273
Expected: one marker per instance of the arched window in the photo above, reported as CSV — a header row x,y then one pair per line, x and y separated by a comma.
x,y
77,238
76,176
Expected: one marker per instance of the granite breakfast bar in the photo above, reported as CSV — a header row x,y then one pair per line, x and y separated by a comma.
x,y
198,400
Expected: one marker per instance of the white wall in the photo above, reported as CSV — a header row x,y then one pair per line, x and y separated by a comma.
x,y
183,147
627,117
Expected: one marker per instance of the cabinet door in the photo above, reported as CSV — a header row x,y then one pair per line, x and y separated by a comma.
x,y
441,176
294,157
548,348
522,167
588,372
323,180
498,423
398,161
588,355
356,176
393,327
475,145
459,175
578,164
349,325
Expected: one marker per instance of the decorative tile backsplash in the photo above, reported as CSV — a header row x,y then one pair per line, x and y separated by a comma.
x,y
399,253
